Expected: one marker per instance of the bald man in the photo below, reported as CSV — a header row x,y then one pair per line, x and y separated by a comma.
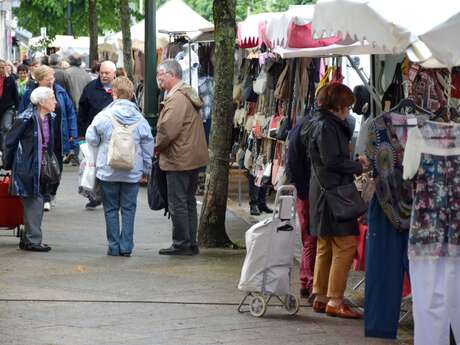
x,y
96,95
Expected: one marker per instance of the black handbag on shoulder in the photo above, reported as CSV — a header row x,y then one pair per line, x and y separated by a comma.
x,y
50,171
344,201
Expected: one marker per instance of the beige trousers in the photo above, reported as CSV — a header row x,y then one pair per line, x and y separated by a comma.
x,y
334,256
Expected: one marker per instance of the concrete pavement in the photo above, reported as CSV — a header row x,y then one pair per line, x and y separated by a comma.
x,y
76,294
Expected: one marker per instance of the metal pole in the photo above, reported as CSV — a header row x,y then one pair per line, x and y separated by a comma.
x,y
367,84
69,30
150,65
189,63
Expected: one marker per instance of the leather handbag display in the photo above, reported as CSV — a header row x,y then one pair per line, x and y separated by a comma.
x,y
260,84
282,85
344,201
395,91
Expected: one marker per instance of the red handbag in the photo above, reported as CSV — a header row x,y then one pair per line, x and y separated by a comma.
x,y
300,36
11,215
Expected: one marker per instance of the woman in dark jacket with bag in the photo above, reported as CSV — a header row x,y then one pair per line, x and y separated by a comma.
x,y
329,149
32,133
65,131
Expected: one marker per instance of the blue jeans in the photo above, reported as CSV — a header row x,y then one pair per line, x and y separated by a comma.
x,y
116,196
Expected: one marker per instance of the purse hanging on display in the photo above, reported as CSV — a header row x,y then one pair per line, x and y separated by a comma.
x,y
395,91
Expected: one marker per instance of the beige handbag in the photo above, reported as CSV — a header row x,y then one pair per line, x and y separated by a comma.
x,y
238,118
282,85
237,93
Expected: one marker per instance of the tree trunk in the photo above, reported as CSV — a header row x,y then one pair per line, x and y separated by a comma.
x,y
125,17
92,29
211,231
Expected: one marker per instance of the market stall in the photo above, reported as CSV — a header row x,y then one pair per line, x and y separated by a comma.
x,y
408,145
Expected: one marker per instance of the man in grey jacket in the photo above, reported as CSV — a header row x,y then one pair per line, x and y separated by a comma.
x,y
77,79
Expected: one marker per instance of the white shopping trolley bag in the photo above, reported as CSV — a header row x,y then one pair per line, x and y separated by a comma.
x,y
270,246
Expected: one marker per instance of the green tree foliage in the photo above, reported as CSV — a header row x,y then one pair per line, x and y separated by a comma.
x,y
34,14
243,7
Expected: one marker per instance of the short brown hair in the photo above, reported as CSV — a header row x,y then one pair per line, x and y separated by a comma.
x,y
336,96
123,87
41,72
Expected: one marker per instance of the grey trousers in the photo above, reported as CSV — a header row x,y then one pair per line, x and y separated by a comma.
x,y
33,215
182,206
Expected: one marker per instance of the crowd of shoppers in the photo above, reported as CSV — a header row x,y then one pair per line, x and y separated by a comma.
x,y
103,103
48,109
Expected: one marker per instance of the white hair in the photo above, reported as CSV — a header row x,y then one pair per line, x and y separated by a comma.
x,y
40,94
109,64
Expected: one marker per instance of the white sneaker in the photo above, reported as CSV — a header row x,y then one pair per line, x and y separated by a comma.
x,y
53,202
47,206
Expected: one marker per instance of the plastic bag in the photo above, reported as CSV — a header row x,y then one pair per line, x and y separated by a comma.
x,y
88,167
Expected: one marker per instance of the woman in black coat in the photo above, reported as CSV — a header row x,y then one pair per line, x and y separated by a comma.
x,y
329,149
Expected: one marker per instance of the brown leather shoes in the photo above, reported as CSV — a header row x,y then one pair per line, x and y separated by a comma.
x,y
319,307
343,311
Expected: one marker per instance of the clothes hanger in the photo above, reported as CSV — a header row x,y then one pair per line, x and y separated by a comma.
x,y
408,103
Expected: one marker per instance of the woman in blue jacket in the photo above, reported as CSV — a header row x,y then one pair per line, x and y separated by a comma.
x,y
120,186
26,143
65,131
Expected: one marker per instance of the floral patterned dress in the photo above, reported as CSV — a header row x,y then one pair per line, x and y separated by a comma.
x,y
386,140
432,158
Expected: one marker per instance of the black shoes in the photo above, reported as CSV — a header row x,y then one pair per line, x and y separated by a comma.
x,y
195,250
34,247
173,250
255,210
265,208
92,204
304,293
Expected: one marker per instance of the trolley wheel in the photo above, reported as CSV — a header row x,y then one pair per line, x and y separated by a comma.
x,y
257,306
291,303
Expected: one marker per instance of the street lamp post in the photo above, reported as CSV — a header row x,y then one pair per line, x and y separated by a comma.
x,y
150,83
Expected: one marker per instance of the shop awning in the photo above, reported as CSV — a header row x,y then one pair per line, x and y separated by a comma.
x,y
333,50
172,17
395,25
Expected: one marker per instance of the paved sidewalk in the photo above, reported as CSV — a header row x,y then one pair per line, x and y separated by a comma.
x,y
78,295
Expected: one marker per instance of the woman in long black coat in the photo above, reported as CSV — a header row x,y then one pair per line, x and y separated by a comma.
x,y
329,149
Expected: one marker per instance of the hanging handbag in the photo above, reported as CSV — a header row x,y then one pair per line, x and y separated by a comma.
x,y
50,172
344,201
395,91
239,116
260,84
282,85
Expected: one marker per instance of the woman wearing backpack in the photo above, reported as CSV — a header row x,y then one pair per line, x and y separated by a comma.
x,y
125,145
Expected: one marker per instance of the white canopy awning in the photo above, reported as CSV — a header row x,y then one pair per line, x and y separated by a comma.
x,y
395,25
274,26
172,17
333,50
443,41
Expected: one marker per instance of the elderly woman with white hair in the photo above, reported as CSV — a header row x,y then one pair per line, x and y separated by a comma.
x,y
32,133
